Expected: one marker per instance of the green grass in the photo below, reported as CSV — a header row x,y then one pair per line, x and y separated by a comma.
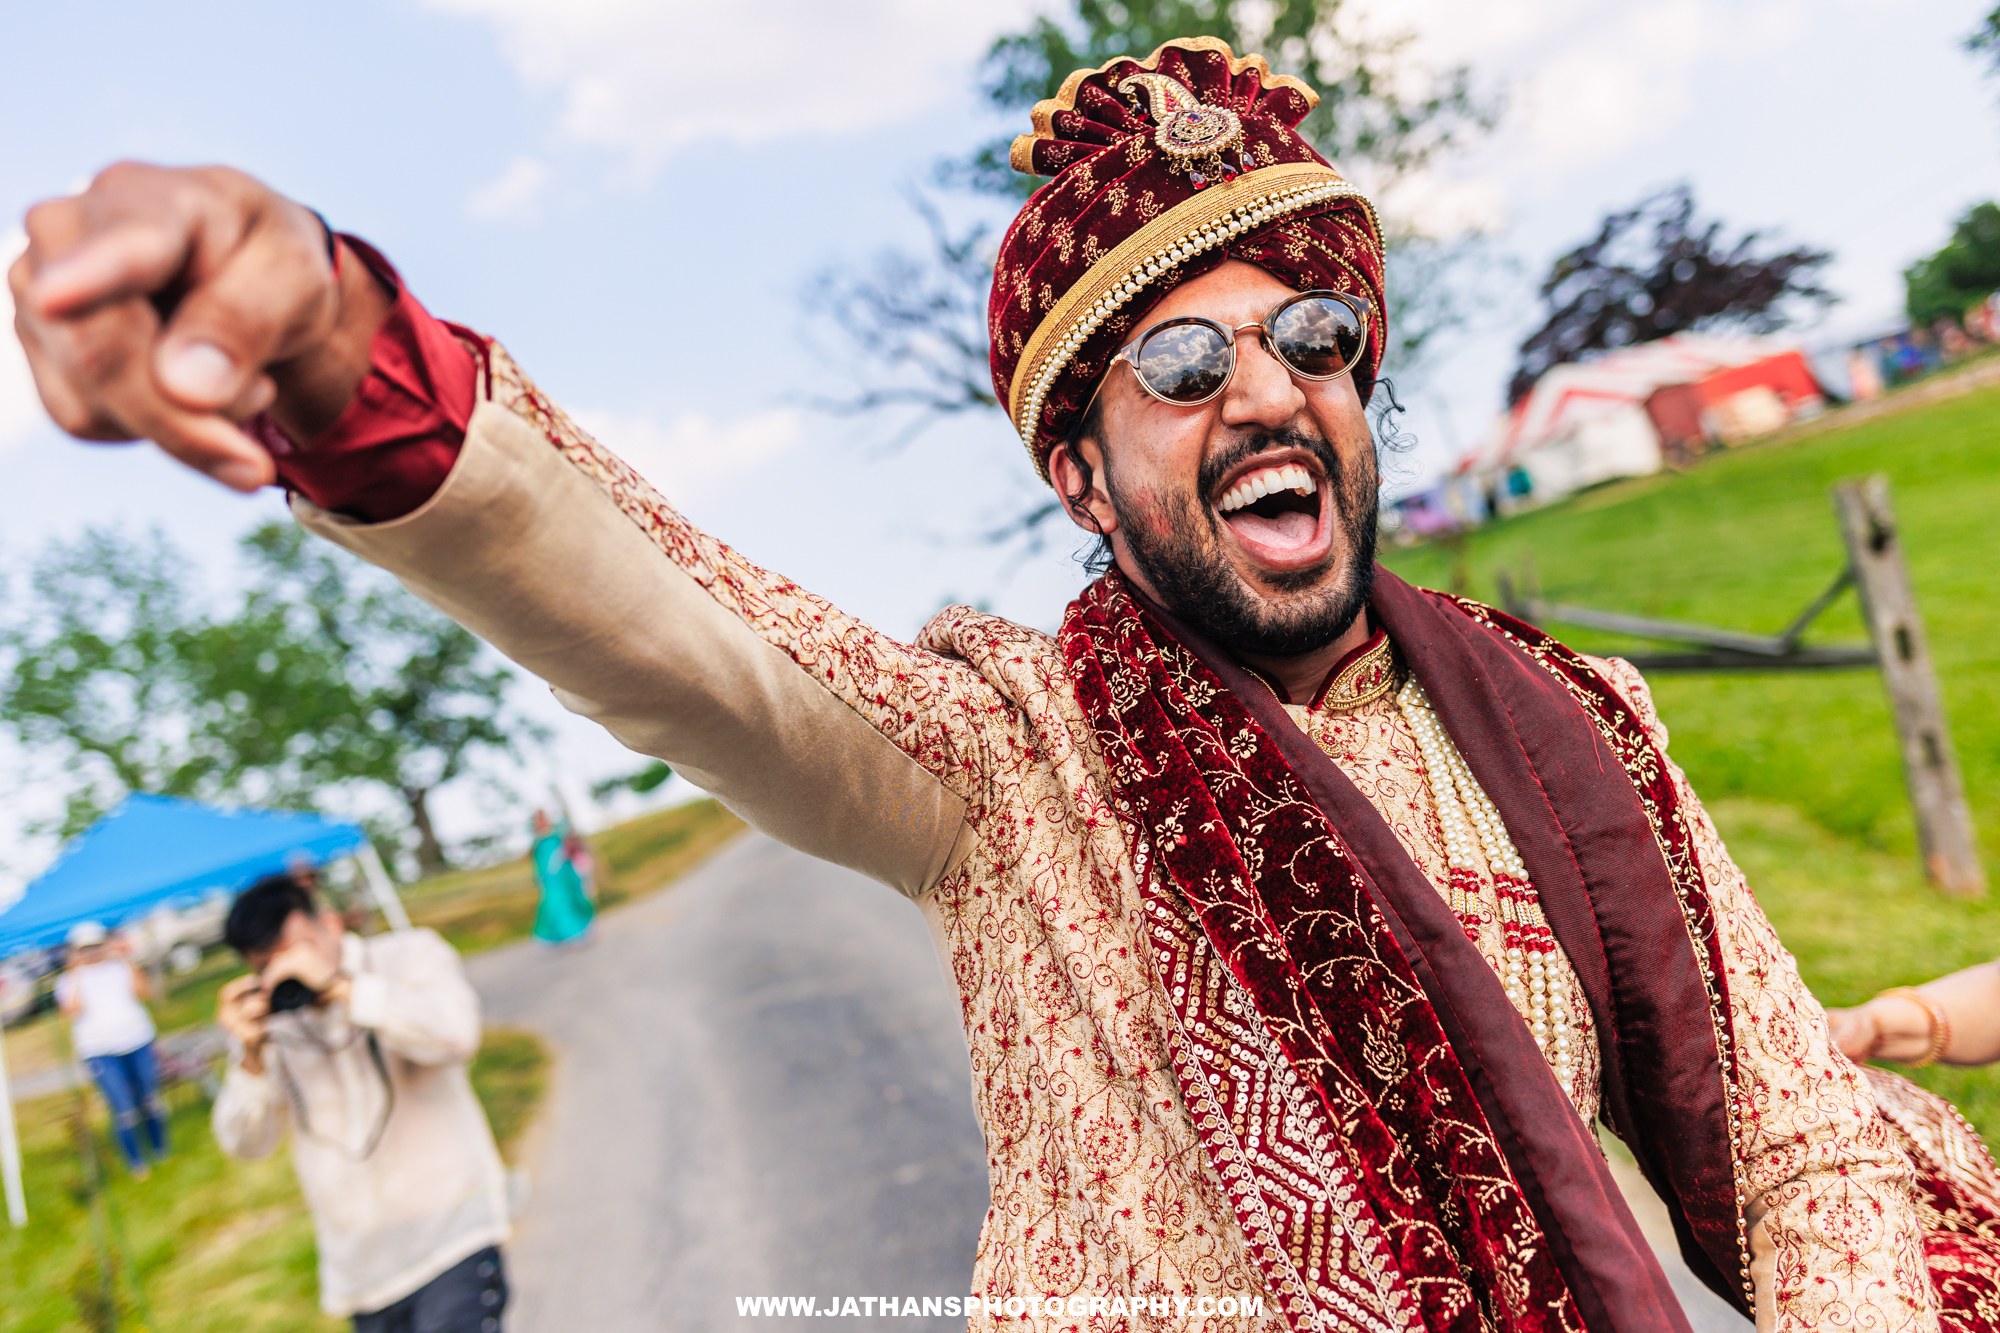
x,y
509,1074
1801,770
210,1244
1743,542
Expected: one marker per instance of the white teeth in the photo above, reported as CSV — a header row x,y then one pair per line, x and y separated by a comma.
x,y
1269,481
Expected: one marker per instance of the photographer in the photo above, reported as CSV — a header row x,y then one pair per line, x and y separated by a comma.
x,y
361,1046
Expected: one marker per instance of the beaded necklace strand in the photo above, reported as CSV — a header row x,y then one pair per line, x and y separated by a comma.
x,y
1533,984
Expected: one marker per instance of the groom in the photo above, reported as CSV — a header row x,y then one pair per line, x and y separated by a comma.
x,y
1303,921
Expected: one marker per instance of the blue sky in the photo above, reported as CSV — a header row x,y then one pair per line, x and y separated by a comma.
x,y
632,196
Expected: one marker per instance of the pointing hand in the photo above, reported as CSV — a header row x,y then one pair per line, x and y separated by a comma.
x,y
173,304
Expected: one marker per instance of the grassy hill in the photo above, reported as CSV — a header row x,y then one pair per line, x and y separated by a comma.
x,y
1801,769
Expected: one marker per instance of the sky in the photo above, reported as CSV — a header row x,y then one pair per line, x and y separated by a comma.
x,y
634,195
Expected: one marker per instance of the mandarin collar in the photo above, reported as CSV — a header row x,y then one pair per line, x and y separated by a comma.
x,y
1361,677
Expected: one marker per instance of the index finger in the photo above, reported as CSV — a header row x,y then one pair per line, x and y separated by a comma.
x,y
133,258
133,232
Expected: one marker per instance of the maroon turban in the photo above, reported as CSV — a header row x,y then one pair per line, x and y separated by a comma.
x,y
1164,168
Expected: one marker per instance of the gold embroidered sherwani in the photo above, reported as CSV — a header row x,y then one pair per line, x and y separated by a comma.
x,y
961,772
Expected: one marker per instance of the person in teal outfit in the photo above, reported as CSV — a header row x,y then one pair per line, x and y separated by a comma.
x,y
566,909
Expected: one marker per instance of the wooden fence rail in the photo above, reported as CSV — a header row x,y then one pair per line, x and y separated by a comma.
x,y
1898,649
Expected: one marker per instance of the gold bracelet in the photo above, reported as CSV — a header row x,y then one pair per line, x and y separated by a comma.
x,y
1940,1021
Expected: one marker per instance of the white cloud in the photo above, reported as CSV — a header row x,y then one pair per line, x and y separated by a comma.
x,y
690,457
1587,82
20,407
1441,207
644,78
514,195
1587,106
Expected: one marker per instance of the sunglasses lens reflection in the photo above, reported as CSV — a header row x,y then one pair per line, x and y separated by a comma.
x,y
1184,363
1319,336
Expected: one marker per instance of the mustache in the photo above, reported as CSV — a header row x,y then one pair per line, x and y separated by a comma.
x,y
1231,456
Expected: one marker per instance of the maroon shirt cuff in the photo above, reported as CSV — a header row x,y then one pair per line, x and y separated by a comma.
x,y
392,448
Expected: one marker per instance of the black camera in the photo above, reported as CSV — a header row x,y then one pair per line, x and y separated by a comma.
x,y
291,993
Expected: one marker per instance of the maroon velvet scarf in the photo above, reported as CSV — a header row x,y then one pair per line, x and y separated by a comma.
x,y
1396,1148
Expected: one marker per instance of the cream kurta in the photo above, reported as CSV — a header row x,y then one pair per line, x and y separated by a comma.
x,y
962,773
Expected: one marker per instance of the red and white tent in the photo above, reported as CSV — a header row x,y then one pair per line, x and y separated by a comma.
x,y
1587,422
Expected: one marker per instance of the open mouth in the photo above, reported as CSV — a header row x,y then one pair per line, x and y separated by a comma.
x,y
1279,514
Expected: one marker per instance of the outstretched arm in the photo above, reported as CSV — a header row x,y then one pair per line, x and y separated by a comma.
x,y
1962,1018
816,728
824,732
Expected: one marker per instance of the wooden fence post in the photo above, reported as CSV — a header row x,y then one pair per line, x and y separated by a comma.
x,y
1944,821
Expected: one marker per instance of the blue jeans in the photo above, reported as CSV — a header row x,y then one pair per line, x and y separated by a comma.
x,y
131,1087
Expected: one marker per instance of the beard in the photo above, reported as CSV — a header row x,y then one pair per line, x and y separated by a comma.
x,y
1194,579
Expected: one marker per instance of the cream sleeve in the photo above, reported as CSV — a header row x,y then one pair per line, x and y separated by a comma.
x,y
416,999
826,734
1835,1239
250,1114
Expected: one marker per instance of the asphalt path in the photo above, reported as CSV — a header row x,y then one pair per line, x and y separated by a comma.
x,y
761,1089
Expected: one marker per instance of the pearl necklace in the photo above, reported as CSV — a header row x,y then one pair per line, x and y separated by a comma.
x,y
1532,979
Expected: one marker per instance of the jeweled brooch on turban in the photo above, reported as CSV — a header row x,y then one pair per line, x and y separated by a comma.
x,y
1193,135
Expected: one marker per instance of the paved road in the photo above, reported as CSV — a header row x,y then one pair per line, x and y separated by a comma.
x,y
760,1089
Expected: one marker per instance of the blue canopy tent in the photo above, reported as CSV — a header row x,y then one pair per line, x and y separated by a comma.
x,y
158,849
155,850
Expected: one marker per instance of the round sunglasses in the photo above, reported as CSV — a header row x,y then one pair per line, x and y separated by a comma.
x,y
1188,361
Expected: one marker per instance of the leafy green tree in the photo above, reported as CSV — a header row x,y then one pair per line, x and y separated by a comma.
x,y
1985,40
327,675
119,676
1655,269
426,700
97,660
1959,276
649,777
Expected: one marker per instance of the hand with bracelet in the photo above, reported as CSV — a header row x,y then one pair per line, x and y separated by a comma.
x,y
1954,1019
